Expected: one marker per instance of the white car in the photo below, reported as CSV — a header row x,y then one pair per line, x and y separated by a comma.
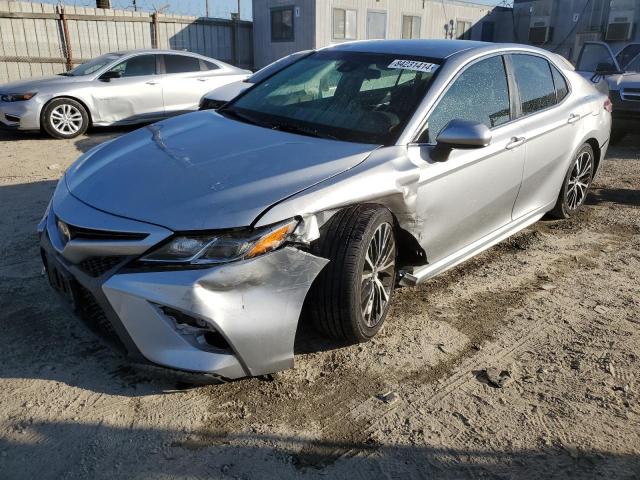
x,y
221,95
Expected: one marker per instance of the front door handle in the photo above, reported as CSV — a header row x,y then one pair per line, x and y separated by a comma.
x,y
515,142
203,79
573,118
151,82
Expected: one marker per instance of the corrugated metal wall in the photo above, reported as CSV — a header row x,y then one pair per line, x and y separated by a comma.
x,y
33,41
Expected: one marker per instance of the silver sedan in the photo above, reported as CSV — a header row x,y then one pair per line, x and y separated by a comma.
x,y
114,89
198,242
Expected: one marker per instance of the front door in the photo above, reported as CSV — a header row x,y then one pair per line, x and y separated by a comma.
x,y
134,96
472,193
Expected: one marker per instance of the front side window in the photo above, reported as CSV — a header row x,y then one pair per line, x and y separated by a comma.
x,y
282,24
345,24
593,55
535,83
628,56
349,96
181,64
480,94
410,26
137,66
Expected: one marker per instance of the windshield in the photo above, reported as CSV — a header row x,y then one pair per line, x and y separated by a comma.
x,y
275,66
350,96
94,65
628,58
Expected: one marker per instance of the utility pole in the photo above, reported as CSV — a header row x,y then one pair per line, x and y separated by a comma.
x,y
206,8
238,10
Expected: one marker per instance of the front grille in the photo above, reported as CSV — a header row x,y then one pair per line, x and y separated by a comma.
x,y
94,317
97,266
81,233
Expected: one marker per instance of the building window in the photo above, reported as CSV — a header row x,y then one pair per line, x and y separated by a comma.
x,y
345,24
463,30
376,24
411,26
282,24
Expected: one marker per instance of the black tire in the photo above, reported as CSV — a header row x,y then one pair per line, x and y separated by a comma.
x,y
335,301
568,205
78,118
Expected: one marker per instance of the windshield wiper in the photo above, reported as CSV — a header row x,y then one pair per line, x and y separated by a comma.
x,y
311,132
228,112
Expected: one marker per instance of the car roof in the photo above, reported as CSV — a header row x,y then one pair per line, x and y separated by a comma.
x,y
436,49
153,50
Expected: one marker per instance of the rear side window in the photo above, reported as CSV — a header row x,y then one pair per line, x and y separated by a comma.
x,y
535,83
181,64
208,65
562,89
480,93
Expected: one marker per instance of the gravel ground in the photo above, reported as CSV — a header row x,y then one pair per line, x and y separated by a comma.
x,y
524,362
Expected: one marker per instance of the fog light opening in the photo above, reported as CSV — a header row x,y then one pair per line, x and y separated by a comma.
x,y
205,336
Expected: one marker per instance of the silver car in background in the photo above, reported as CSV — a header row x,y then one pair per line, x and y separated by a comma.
x,y
621,73
114,89
197,243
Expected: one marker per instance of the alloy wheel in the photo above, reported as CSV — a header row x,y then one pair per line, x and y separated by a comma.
x,y
378,275
66,119
579,180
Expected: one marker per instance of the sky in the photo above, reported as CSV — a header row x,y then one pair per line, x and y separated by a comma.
x,y
217,8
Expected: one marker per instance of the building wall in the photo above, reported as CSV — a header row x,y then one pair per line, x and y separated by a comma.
x,y
438,19
314,27
573,22
266,51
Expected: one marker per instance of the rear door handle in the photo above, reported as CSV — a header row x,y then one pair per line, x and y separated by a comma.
x,y
203,79
515,142
573,118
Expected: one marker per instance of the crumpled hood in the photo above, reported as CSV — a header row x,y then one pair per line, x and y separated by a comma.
x,y
203,171
35,84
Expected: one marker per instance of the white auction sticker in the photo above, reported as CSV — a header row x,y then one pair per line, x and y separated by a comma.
x,y
413,65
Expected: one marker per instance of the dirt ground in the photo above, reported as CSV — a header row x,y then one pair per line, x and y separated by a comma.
x,y
555,310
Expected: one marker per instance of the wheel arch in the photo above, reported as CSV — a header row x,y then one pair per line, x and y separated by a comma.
x,y
597,152
70,97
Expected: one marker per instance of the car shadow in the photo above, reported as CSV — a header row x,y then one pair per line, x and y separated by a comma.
x,y
106,450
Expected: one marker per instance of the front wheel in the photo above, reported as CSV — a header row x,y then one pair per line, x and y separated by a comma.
x,y
576,184
65,118
350,298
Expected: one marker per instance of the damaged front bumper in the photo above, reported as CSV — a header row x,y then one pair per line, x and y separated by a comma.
x,y
231,320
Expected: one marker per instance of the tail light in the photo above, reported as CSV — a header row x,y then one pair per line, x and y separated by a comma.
x,y
608,106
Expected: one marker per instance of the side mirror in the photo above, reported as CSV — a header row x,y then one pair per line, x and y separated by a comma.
x,y
108,76
464,134
606,68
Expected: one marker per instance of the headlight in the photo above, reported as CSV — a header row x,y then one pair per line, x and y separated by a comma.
x,y
17,97
223,247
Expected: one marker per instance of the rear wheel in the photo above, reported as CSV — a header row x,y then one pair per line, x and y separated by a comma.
x,y
576,184
351,296
65,118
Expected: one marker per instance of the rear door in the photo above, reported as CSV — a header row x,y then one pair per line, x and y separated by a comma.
x,y
551,120
187,78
